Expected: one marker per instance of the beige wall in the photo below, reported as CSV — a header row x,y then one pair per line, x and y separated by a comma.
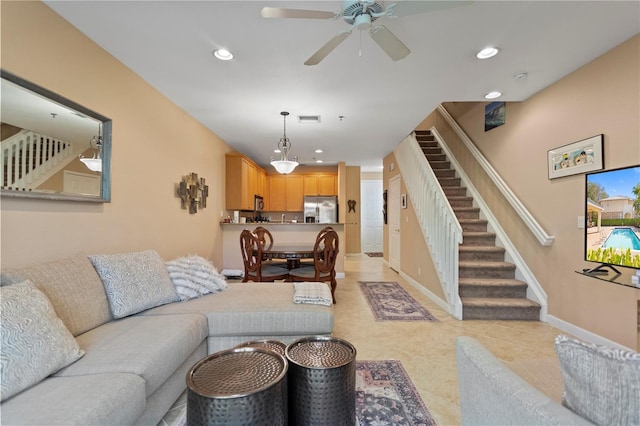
x,y
154,144
352,219
415,260
601,97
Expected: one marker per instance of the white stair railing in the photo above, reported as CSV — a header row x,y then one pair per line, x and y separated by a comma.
x,y
438,222
29,158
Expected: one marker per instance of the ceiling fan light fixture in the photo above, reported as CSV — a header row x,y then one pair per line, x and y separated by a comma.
x,y
283,165
223,54
487,52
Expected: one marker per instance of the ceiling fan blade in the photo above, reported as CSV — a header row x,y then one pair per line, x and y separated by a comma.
x,y
327,48
278,12
407,7
391,45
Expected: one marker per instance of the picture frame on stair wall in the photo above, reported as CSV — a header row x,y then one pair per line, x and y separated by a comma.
x,y
494,115
578,157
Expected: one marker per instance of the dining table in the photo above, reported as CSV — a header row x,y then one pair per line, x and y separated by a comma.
x,y
291,252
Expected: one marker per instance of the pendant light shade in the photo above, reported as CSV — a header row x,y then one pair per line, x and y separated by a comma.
x,y
94,163
284,165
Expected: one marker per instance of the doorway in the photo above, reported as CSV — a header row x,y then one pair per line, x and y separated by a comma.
x,y
393,211
371,216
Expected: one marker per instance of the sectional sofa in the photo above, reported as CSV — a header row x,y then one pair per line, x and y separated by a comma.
x,y
109,339
601,387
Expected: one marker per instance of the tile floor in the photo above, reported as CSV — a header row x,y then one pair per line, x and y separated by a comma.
x,y
427,349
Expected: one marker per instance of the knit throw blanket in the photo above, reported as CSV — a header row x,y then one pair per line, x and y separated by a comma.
x,y
194,276
312,292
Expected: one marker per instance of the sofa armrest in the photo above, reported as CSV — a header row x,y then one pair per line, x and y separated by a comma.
x,y
491,394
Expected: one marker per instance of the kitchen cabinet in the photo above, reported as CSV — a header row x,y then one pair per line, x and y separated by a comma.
x,y
295,197
285,193
242,182
320,184
277,193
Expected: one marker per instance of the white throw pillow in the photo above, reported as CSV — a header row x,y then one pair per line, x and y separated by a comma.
x,y
194,276
35,342
601,384
134,281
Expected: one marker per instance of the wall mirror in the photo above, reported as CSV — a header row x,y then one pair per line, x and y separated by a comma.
x,y
51,147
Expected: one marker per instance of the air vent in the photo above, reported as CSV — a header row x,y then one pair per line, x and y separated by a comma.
x,y
308,119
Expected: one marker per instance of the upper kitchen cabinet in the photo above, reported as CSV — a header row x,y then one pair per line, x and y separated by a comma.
x,y
244,180
320,184
286,193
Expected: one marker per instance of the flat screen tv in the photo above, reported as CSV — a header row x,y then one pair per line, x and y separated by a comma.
x,y
612,216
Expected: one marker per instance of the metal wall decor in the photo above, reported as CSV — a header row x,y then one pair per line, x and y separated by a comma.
x,y
193,193
352,206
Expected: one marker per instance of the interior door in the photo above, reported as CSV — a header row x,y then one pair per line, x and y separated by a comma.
x,y
393,218
371,215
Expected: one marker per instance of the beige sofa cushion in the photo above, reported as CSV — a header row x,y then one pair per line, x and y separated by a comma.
x,y
134,281
35,343
601,383
73,287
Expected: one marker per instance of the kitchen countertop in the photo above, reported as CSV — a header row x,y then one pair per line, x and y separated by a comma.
x,y
280,223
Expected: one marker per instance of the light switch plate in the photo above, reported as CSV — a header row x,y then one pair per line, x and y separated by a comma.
x,y
581,222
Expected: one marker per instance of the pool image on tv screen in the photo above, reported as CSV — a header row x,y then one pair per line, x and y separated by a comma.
x,y
612,215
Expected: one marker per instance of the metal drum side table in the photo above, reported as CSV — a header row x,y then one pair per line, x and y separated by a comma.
x,y
322,381
242,386
273,345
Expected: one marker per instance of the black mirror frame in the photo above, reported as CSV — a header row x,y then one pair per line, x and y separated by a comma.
x,y
105,184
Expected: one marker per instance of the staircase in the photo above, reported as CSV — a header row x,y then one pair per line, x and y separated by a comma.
x,y
487,285
28,159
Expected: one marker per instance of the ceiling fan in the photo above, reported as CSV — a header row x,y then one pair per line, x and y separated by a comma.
x,y
361,15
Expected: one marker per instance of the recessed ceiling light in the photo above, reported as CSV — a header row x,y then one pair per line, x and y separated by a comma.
x,y
318,151
318,161
493,95
487,52
277,151
223,54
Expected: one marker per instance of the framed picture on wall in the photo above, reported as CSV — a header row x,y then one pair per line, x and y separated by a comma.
x,y
577,157
494,115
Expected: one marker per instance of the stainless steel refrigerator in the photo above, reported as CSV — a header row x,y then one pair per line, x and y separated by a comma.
x,y
321,209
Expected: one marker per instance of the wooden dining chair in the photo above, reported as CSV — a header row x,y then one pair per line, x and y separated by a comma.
x,y
325,253
265,239
254,270
318,236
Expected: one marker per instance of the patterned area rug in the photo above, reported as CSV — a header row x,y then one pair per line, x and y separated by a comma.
x,y
390,302
374,254
385,395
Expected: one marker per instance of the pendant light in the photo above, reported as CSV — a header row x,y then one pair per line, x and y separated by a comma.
x,y
284,165
94,163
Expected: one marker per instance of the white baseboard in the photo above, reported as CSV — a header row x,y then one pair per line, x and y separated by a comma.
x,y
583,334
422,289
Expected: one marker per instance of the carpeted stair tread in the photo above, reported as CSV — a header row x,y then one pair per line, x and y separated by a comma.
x,y
473,225
492,282
494,253
512,309
488,264
482,248
498,302
492,288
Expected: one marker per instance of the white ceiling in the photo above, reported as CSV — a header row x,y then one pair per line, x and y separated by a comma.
x,y
169,44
